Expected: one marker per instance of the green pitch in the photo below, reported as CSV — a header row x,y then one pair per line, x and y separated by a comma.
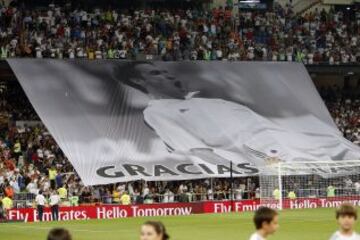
x,y
310,224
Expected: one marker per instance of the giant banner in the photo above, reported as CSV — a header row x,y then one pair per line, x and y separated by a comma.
x,y
120,121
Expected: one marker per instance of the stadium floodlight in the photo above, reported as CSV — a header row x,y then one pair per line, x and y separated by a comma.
x,y
309,184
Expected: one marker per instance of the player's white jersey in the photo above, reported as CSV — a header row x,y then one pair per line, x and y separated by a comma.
x,y
256,236
338,236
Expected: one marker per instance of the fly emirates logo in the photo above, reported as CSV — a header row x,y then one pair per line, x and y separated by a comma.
x,y
32,216
136,211
238,207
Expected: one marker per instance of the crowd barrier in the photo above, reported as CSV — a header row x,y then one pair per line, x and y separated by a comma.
x,y
173,209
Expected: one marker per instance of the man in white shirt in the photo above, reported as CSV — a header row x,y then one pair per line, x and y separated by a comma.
x,y
40,203
346,216
54,202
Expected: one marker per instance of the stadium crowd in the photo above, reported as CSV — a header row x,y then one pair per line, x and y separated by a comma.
x,y
344,108
276,35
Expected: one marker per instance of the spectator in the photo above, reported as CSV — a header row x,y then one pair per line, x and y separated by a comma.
x,y
9,191
7,203
54,202
330,191
168,196
116,196
292,195
40,203
86,196
52,176
125,198
63,192
59,180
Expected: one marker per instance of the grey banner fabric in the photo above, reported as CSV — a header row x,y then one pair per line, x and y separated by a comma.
x,y
120,121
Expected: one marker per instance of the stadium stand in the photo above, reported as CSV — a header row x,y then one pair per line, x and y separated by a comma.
x,y
32,161
276,35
